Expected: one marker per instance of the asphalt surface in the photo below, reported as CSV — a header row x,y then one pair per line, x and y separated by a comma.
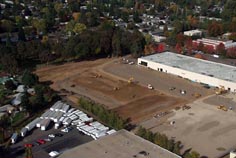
x,y
159,80
60,144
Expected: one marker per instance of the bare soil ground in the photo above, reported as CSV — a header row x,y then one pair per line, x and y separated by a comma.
x,y
204,128
87,78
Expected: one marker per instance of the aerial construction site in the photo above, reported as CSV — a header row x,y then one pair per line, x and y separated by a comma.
x,y
183,110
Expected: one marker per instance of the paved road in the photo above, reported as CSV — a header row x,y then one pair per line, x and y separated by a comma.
x,y
61,144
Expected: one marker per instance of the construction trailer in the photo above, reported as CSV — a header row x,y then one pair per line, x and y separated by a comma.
x,y
14,138
40,123
23,131
65,108
32,124
57,124
45,124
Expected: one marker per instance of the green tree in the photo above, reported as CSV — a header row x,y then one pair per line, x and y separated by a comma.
x,y
40,25
79,28
70,26
177,148
29,79
3,125
28,152
21,34
10,63
7,25
9,84
25,102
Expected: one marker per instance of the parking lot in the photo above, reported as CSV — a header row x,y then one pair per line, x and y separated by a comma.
x,y
60,144
163,82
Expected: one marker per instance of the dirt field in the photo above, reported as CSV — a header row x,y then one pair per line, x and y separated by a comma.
x,y
161,81
205,128
130,100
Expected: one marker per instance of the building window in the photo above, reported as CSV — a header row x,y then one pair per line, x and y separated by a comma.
x,y
143,63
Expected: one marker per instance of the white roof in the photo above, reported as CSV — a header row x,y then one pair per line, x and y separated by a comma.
x,y
20,88
122,144
17,99
204,67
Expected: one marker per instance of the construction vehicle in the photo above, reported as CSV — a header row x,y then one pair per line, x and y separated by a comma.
x,y
131,80
186,107
183,92
196,95
221,90
222,107
150,86
116,88
97,76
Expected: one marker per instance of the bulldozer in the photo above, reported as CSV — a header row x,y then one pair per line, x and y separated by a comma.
x,y
116,88
131,80
222,107
196,95
221,90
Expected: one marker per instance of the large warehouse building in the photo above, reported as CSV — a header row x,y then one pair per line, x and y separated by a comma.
x,y
197,70
122,144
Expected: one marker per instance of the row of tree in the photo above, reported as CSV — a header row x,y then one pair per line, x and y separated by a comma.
x,y
105,40
43,96
163,141
109,117
185,44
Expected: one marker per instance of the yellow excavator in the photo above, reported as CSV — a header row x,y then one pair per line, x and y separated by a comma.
x,y
221,90
131,80
222,107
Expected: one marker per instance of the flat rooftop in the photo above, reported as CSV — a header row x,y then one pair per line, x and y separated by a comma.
x,y
204,67
121,144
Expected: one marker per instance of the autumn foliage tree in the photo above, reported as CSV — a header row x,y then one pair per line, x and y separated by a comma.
x,y
232,36
231,53
199,56
215,29
179,48
221,49
188,45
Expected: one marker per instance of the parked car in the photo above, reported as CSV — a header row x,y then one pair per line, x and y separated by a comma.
x,y
36,143
41,141
58,135
51,136
28,145
67,129
172,88
53,153
48,139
